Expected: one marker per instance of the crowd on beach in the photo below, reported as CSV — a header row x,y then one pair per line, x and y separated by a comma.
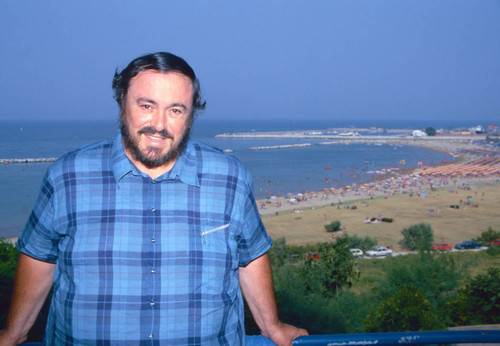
x,y
414,183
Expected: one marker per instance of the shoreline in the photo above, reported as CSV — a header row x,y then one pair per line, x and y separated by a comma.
x,y
406,182
377,186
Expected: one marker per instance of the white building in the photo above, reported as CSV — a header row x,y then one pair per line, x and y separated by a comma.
x,y
418,133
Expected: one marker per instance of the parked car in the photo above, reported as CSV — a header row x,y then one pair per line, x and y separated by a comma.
x,y
312,254
358,253
495,242
380,251
441,247
468,244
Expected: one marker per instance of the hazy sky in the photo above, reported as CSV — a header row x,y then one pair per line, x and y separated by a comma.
x,y
386,59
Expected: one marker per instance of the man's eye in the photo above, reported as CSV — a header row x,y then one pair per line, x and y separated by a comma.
x,y
146,106
176,112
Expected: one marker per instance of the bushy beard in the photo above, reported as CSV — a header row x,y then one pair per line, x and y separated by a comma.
x,y
153,158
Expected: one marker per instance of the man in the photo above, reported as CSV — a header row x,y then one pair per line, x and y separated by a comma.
x,y
149,236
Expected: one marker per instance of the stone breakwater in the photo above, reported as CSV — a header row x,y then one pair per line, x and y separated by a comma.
x,y
280,146
28,160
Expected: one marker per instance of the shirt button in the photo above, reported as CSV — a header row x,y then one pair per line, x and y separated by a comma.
x,y
152,303
153,182
150,336
153,240
153,271
153,209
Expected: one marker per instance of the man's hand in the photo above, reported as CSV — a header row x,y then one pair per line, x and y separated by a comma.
x,y
284,334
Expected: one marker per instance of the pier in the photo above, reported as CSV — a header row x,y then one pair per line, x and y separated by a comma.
x,y
28,160
280,146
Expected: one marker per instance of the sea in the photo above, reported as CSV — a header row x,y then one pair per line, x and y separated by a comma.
x,y
275,171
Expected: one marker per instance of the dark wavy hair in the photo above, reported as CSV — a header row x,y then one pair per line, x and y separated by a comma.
x,y
161,62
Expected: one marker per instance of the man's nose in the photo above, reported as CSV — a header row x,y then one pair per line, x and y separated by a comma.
x,y
159,120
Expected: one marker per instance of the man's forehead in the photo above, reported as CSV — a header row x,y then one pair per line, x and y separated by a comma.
x,y
170,82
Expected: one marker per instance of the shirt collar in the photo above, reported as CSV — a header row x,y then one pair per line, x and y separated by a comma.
x,y
184,169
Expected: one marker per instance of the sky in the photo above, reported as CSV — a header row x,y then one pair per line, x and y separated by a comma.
x,y
282,59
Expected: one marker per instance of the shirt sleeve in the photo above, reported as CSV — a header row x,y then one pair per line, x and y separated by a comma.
x,y
39,239
254,240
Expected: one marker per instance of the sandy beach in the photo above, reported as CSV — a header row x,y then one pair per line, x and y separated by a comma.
x,y
425,194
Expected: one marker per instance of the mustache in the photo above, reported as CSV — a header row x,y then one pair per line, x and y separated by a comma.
x,y
149,130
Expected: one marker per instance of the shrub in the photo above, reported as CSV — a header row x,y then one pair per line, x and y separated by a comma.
x,y
312,310
406,310
364,244
333,226
436,275
419,236
387,219
479,301
335,268
488,236
493,250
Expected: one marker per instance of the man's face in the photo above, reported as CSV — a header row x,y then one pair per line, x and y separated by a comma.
x,y
156,118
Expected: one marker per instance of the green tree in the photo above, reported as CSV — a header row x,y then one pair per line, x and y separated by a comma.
x,y
405,310
333,226
335,268
478,302
488,236
430,131
419,236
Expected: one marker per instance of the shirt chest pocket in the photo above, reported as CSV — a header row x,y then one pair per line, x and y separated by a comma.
x,y
219,260
214,234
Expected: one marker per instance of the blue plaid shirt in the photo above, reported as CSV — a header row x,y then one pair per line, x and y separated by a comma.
x,y
141,260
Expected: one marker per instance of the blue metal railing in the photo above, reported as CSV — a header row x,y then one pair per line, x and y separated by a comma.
x,y
381,339
399,338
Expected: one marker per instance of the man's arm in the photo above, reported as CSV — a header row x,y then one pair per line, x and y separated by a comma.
x,y
256,282
33,281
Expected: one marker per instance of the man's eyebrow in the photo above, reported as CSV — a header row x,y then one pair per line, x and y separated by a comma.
x,y
178,105
153,102
145,99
